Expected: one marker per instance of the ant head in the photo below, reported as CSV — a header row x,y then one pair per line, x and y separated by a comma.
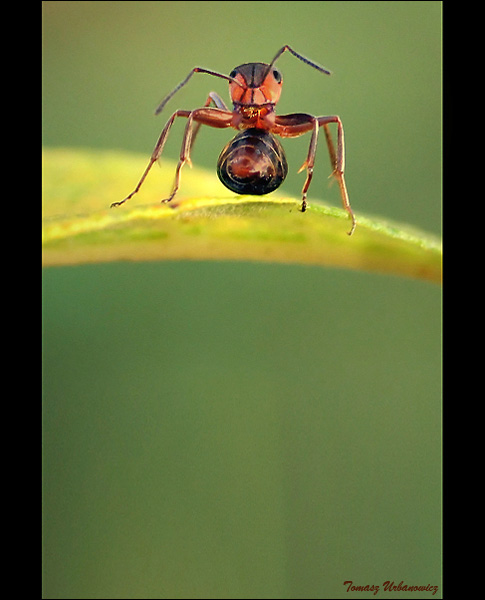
x,y
251,83
255,84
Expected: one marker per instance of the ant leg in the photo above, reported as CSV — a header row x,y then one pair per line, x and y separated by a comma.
x,y
338,162
189,139
184,156
331,148
309,164
297,124
157,151
213,117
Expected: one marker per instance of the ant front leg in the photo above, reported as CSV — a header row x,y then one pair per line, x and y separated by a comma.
x,y
189,139
309,164
184,156
213,117
157,151
297,124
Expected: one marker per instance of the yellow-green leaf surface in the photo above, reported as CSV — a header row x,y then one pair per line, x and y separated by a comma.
x,y
206,221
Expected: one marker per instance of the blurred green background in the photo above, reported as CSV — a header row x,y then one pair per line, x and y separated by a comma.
x,y
238,430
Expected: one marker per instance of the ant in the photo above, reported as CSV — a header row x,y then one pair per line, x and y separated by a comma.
x,y
254,161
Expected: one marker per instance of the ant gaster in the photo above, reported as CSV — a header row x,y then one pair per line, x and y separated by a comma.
x,y
254,161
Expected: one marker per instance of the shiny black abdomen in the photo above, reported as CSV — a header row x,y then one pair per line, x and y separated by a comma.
x,y
253,162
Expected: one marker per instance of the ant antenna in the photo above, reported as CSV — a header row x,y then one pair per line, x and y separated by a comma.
x,y
302,58
161,106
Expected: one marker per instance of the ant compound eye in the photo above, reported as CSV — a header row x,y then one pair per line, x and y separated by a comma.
x,y
277,76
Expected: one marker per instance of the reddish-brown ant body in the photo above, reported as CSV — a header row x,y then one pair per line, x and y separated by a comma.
x,y
254,161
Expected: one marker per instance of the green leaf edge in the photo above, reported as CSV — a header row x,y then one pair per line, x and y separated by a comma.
x,y
240,228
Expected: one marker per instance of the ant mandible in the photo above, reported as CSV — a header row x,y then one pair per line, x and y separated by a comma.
x,y
254,161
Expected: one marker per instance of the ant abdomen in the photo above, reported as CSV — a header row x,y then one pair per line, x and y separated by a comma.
x,y
254,162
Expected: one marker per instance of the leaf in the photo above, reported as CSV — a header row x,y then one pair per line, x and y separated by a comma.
x,y
207,221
